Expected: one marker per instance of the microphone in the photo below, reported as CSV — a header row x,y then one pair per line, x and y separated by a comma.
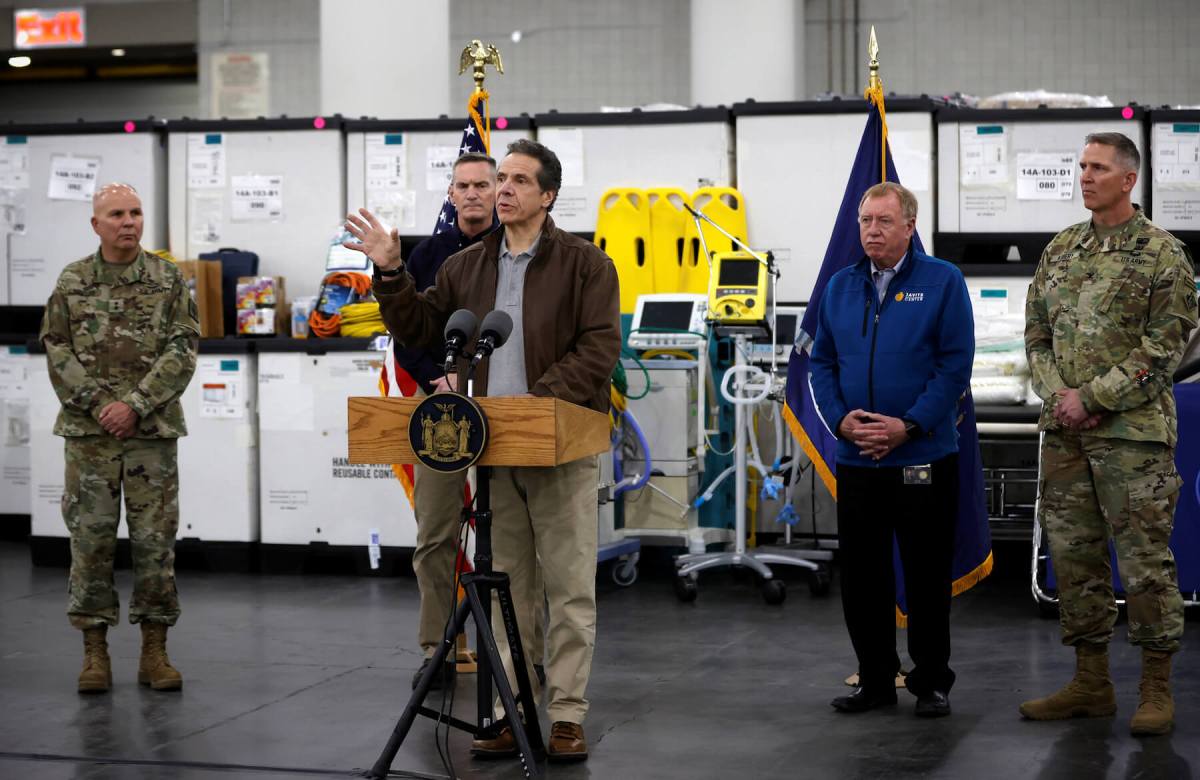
x,y
459,328
493,332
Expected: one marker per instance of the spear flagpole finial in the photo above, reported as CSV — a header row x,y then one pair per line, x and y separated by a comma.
x,y
873,63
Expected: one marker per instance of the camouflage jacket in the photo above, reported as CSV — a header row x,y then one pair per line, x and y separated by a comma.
x,y
121,334
1111,318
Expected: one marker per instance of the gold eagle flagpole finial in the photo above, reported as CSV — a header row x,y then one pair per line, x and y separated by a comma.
x,y
477,55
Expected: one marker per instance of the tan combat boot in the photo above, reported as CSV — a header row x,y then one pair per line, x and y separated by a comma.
x,y
96,676
1089,694
1156,709
154,668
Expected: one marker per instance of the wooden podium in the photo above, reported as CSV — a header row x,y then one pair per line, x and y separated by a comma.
x,y
521,431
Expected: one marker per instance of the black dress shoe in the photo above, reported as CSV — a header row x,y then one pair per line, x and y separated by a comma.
x,y
934,704
436,685
862,700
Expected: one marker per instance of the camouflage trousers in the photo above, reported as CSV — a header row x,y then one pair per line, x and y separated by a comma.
x,y
1093,490
98,468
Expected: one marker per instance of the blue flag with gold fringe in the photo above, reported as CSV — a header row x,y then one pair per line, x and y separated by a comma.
x,y
973,544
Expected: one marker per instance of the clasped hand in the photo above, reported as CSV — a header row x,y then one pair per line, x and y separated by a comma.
x,y
1071,413
875,435
119,419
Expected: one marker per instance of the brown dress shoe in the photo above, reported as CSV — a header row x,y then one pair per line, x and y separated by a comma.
x,y
567,742
503,745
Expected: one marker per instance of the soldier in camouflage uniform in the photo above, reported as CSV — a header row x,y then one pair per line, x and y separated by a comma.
x,y
1108,315
120,333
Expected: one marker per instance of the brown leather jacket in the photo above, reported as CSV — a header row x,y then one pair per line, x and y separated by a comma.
x,y
570,312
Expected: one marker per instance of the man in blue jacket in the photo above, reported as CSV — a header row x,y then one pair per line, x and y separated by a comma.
x,y
892,355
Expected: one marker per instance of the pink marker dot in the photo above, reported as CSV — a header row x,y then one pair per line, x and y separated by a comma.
x,y
1127,112
319,123
501,122
130,127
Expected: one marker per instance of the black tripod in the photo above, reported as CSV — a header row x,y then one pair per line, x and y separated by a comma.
x,y
477,606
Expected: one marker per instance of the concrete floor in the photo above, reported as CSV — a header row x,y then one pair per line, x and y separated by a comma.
x,y
287,677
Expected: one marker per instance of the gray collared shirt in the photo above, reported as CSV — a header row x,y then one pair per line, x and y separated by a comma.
x,y
506,371
883,276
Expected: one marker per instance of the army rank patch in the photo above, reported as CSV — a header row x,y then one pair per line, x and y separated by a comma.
x,y
447,432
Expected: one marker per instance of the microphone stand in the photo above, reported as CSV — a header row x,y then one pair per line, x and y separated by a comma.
x,y
477,606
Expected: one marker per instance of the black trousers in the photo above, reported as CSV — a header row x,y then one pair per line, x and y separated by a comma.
x,y
874,505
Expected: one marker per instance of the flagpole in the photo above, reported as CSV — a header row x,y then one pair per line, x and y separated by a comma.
x,y
478,56
874,93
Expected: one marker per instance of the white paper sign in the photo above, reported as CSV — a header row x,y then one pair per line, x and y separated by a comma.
x,y
395,208
257,199
1178,211
567,143
439,167
14,208
989,301
14,167
73,178
571,208
240,85
205,216
388,195
386,161
983,155
222,387
1046,176
205,160
281,369
1176,151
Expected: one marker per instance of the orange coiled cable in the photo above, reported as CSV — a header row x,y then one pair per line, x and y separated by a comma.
x,y
324,325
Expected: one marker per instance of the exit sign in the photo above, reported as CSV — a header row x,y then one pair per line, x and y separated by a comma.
x,y
46,28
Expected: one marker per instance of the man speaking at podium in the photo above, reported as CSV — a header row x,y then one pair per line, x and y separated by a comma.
x,y
562,295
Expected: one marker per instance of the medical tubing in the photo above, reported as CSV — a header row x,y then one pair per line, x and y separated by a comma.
x,y
644,477
753,372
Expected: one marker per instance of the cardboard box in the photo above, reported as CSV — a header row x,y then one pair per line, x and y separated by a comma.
x,y
204,280
262,308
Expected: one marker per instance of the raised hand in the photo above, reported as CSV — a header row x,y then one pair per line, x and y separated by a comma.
x,y
374,240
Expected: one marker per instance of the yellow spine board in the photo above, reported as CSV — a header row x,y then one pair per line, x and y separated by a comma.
x,y
623,233
669,222
726,207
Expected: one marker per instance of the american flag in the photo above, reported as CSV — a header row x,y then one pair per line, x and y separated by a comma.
x,y
394,380
473,140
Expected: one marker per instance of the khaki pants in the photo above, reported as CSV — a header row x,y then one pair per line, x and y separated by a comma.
x,y
438,501
550,515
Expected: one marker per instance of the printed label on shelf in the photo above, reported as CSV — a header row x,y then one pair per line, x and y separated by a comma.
x,y
1046,176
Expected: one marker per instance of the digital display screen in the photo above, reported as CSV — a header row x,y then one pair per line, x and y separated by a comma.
x,y
738,273
666,315
785,328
